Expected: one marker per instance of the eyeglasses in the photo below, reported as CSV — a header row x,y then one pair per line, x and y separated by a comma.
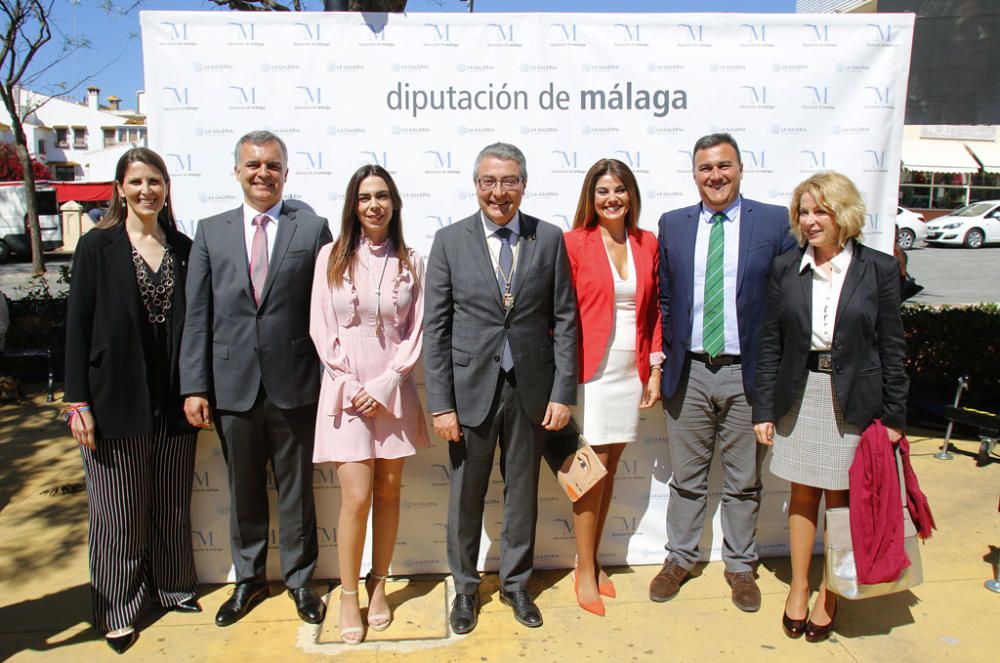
x,y
506,183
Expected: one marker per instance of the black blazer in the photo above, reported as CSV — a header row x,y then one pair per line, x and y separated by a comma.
x,y
105,363
869,349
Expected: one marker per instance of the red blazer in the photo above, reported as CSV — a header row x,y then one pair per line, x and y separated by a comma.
x,y
591,271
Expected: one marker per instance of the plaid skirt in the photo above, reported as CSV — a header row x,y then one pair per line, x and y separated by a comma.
x,y
813,445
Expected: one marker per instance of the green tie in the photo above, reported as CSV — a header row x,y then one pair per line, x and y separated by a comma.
x,y
714,336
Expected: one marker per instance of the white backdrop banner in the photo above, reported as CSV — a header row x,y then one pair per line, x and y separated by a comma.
x,y
421,94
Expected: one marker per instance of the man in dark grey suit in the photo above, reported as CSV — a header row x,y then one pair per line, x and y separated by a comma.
x,y
246,349
499,364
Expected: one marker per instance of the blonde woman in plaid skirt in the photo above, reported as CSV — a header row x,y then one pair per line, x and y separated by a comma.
x,y
831,359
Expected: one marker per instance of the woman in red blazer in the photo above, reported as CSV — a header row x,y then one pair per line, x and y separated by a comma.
x,y
614,266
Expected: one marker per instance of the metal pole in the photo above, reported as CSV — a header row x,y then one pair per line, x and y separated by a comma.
x,y
944,454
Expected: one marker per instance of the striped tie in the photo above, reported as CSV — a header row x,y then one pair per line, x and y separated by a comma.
x,y
714,336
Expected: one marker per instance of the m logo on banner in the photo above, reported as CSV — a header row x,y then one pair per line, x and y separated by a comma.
x,y
203,539
882,94
871,220
634,160
311,30
374,158
200,481
314,96
757,93
878,158
884,34
245,31
182,161
694,33
627,526
820,33
442,31
631,30
179,31
567,31
758,32
326,535
246,96
440,160
820,95
180,95
568,158
567,525
814,158
561,220
377,31
754,160
503,32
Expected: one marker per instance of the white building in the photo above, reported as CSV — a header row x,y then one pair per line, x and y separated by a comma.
x,y
79,141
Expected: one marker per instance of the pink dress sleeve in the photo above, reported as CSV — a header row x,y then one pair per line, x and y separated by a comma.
x,y
386,387
324,328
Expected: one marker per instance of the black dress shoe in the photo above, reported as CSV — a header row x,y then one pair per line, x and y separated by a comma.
x,y
121,643
464,613
187,605
525,610
246,595
307,602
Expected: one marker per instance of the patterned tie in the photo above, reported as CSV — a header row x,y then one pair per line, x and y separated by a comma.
x,y
714,330
506,265
258,256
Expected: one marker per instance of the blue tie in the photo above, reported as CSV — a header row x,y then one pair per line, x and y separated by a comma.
x,y
506,265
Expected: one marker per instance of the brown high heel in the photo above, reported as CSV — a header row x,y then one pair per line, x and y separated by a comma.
x,y
817,633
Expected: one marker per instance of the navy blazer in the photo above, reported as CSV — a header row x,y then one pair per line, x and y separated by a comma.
x,y
764,234
869,349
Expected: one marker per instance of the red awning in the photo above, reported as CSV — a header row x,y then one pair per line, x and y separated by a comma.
x,y
83,192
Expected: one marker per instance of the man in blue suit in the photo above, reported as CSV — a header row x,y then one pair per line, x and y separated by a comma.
x,y
715,261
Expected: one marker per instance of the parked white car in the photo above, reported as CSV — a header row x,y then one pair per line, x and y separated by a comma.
x,y
971,226
910,228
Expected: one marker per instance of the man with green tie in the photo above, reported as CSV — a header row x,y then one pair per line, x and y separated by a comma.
x,y
715,260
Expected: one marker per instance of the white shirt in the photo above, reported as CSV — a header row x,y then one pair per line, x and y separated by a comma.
x,y
731,260
493,242
825,294
249,229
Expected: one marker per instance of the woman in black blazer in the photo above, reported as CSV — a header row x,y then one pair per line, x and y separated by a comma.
x,y
831,359
123,329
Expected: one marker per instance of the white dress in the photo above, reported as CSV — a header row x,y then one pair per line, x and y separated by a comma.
x,y
607,406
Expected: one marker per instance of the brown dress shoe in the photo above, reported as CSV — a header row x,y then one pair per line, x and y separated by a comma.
x,y
667,582
746,594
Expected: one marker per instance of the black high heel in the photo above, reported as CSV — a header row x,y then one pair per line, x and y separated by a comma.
x,y
794,628
120,643
817,633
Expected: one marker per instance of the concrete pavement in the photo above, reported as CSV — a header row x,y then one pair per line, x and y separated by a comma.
x,y
45,602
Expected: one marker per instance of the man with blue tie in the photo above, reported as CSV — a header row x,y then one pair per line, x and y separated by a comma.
x,y
500,368
715,261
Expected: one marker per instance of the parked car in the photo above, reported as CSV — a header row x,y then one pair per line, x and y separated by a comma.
x,y
13,212
910,228
971,226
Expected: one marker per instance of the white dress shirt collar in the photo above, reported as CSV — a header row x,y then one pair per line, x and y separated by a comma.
x,y
839,262
514,225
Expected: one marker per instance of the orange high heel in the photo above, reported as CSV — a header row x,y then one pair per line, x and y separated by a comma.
x,y
606,588
593,607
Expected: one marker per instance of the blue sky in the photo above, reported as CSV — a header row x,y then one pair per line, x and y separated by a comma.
x,y
113,59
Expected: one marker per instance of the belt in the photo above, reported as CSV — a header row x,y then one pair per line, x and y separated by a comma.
x,y
717,360
820,362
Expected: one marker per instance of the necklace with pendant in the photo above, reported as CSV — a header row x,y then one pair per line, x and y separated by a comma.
x,y
379,326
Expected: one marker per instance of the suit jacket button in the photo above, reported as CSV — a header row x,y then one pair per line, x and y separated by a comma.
x,y
496,357
836,346
506,325
839,370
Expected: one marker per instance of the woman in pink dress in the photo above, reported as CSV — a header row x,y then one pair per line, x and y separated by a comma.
x,y
367,323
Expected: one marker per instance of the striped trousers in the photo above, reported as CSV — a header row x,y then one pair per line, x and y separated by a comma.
x,y
139,494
